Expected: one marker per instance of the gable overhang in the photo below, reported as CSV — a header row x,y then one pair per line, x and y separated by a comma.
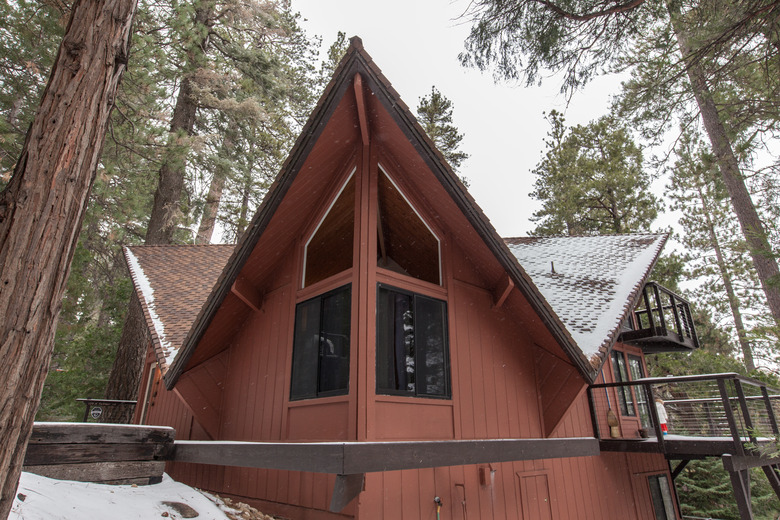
x,y
359,81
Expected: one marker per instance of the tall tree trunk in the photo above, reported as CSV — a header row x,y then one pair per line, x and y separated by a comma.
x,y
747,350
41,211
749,220
125,376
210,209
164,218
209,218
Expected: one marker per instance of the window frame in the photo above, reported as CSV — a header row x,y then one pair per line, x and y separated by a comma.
x,y
630,398
667,510
435,234
418,353
296,354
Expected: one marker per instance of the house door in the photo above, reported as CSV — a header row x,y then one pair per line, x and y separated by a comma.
x,y
535,497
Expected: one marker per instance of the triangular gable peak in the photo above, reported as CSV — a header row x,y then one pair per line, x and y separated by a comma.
x,y
592,282
362,138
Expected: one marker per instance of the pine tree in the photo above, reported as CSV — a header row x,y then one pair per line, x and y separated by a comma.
x,y
715,248
520,38
434,113
42,208
592,180
242,69
29,37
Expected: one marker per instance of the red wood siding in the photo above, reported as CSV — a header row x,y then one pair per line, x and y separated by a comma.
x,y
509,378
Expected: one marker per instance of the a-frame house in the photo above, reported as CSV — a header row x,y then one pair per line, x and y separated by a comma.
x,y
371,305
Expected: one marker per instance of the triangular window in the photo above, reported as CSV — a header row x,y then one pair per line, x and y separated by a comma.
x,y
329,249
405,243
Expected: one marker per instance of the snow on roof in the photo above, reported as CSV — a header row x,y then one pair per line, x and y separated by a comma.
x,y
145,288
172,282
41,498
589,281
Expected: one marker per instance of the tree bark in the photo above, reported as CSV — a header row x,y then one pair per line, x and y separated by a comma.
x,y
123,380
749,220
209,219
125,377
210,209
747,350
41,211
164,218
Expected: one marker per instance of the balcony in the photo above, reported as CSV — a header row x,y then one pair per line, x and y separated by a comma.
x,y
716,415
661,322
727,408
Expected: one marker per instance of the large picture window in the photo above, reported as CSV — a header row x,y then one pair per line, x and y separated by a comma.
x,y
412,355
321,346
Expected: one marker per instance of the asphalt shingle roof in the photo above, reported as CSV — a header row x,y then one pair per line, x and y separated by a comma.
x,y
172,282
590,282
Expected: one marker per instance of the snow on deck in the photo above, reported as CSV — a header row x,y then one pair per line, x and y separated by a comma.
x,y
588,281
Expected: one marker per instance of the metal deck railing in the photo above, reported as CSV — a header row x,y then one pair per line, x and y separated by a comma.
x,y
704,406
662,317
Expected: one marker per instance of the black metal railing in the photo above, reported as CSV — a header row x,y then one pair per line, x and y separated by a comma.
x,y
662,314
713,405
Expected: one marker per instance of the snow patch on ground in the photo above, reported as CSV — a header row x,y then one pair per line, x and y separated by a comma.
x,y
41,498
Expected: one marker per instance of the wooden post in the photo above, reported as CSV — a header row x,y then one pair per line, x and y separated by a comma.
x,y
730,418
659,434
675,311
346,488
650,320
740,482
745,411
593,415
770,411
660,304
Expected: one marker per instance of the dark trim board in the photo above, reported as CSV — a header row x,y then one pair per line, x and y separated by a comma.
x,y
350,461
346,458
691,448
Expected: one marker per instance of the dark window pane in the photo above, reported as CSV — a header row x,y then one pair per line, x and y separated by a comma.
x,y
432,347
329,250
405,244
621,376
305,349
321,346
411,344
334,344
395,342
661,495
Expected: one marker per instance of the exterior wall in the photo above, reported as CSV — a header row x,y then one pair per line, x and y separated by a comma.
x,y
495,394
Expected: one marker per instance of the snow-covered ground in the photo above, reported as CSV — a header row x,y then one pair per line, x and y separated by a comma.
x,y
41,498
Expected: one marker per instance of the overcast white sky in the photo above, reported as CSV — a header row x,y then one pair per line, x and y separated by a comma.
x,y
416,44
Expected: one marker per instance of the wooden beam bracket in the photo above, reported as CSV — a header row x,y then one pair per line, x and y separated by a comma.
x,y
361,108
247,293
346,488
501,294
